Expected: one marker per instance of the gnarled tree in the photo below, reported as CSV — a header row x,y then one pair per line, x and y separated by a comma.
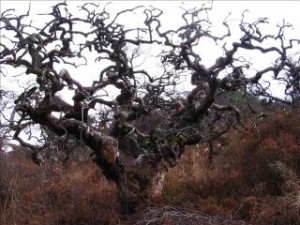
x,y
135,155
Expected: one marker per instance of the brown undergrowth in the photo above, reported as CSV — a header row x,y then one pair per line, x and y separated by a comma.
x,y
55,194
254,179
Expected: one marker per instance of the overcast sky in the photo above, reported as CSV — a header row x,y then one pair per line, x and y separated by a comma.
x,y
277,11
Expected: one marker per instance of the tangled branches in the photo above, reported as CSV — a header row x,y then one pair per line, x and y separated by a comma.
x,y
138,94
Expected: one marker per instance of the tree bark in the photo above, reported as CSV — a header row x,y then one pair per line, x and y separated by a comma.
x,y
140,187
138,184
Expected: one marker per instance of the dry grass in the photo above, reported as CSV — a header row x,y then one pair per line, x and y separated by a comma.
x,y
255,179
168,215
55,194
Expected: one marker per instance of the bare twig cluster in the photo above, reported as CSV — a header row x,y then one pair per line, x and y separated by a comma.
x,y
180,121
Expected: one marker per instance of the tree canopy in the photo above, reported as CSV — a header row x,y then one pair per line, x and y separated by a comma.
x,y
133,154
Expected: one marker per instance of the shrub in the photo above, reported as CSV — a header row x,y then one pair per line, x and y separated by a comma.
x,y
55,194
255,177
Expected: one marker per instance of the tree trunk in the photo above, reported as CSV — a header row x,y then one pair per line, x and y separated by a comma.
x,y
136,163
140,186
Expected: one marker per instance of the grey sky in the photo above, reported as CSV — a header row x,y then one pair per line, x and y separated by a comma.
x,y
277,11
